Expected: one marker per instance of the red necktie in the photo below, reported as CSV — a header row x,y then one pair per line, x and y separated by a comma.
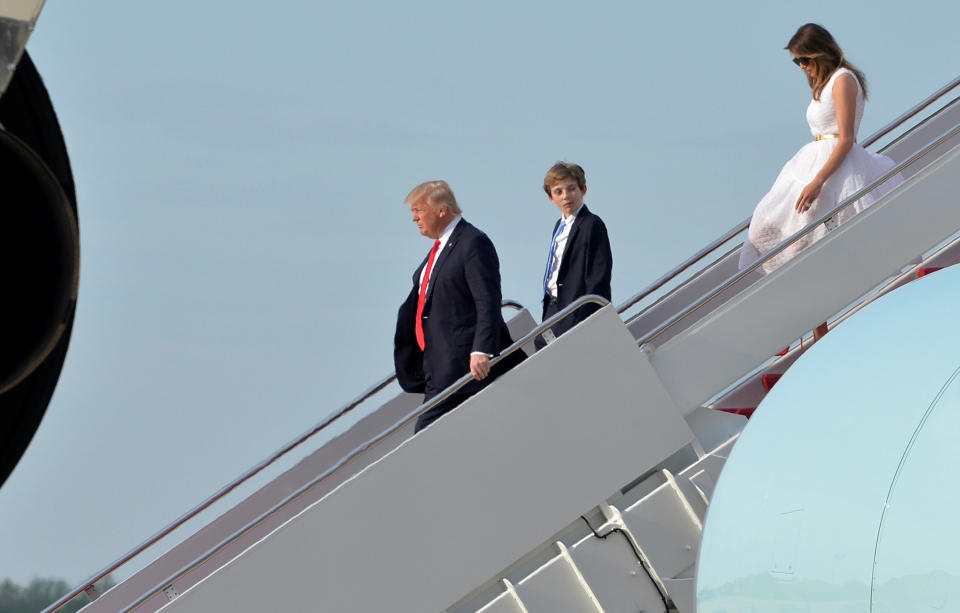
x,y
418,326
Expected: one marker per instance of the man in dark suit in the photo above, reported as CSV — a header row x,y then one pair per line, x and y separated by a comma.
x,y
579,261
450,324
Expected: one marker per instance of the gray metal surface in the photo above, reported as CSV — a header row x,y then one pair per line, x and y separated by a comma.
x,y
681,299
925,132
811,287
173,567
635,552
17,18
458,499
902,148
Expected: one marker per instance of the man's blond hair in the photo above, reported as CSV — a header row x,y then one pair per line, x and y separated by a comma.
x,y
435,194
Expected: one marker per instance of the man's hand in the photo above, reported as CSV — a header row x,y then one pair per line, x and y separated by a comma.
x,y
479,366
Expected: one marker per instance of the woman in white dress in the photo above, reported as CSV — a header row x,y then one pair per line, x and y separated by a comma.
x,y
829,169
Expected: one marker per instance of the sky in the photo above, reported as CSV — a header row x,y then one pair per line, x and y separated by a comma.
x,y
241,169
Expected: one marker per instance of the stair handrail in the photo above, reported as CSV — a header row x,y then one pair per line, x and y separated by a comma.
x,y
798,235
705,267
237,482
743,225
426,406
910,113
677,270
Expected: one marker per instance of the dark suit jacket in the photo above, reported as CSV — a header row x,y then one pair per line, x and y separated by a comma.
x,y
461,315
585,268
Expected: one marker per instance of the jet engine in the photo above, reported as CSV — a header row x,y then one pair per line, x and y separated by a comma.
x,y
39,256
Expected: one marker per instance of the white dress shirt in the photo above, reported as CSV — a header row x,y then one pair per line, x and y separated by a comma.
x,y
444,238
558,248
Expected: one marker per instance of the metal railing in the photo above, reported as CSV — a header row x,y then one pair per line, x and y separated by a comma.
x,y
373,390
798,235
449,391
910,113
740,227
677,270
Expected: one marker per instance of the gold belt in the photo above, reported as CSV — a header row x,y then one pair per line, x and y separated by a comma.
x,y
826,136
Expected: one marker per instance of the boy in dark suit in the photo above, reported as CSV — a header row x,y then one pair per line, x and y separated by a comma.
x,y
579,261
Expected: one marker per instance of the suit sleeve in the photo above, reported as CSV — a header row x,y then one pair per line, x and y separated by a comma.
x,y
407,357
482,270
599,261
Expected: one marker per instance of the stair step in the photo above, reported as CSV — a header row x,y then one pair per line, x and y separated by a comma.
x,y
557,586
507,602
615,576
666,527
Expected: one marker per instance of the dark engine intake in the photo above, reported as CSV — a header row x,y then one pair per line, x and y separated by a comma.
x,y
39,259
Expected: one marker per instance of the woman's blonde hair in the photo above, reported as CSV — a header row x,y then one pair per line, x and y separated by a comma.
x,y
815,42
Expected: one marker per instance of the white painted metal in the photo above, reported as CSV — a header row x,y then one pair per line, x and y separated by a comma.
x,y
683,593
614,575
21,10
165,568
17,19
457,498
923,133
558,587
811,287
714,428
608,556
709,276
688,294
665,526
257,504
725,267
508,602
750,392
702,476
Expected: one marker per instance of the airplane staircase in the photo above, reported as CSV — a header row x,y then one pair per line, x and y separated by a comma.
x,y
580,480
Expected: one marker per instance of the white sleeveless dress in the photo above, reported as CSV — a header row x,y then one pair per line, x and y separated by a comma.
x,y
775,218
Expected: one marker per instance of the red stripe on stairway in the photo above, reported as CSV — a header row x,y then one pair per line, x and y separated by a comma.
x,y
769,380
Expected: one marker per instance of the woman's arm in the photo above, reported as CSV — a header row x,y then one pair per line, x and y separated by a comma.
x,y
845,102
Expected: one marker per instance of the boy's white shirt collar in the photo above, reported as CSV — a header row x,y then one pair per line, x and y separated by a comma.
x,y
574,215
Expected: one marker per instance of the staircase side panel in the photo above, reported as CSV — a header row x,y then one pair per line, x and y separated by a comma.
x,y
477,490
811,287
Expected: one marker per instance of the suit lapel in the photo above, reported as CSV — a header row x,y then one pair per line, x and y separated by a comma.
x,y
416,273
445,255
572,238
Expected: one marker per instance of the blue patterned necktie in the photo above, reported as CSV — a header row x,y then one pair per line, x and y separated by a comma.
x,y
551,256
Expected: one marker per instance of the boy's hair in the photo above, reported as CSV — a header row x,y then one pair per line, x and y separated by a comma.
x,y
562,171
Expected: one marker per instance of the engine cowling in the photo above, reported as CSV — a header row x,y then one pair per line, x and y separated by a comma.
x,y
40,255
